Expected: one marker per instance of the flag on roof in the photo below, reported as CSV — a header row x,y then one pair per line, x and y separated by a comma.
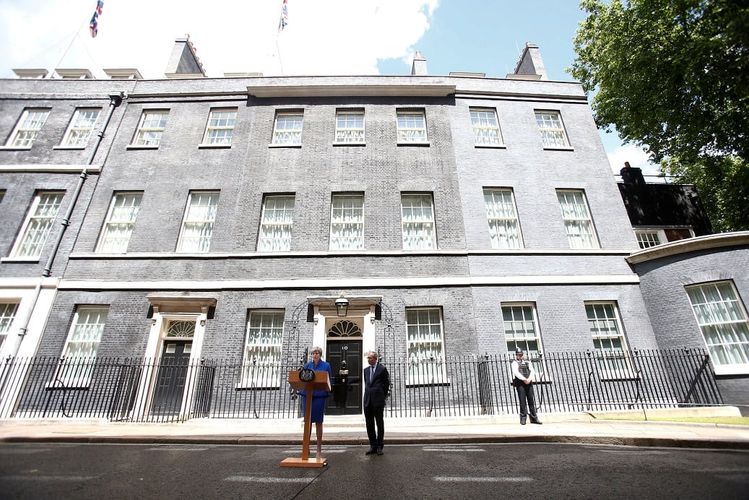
x,y
94,24
284,16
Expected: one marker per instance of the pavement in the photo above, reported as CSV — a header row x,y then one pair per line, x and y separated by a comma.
x,y
589,428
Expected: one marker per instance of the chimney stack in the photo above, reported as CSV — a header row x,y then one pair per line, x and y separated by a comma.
x,y
531,65
632,175
419,65
184,63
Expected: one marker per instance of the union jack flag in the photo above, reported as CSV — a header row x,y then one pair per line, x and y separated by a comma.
x,y
94,24
284,16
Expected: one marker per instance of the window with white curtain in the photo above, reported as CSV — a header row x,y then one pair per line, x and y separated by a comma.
x,y
28,127
412,126
504,227
119,223
347,222
151,127
417,222
197,226
261,366
610,345
722,318
80,127
521,330
425,346
82,345
577,221
287,129
552,130
220,127
485,127
276,224
37,226
7,315
349,126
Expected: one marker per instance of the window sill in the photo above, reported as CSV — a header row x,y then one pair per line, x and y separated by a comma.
x,y
419,144
293,146
490,146
19,259
742,369
214,146
136,147
356,144
15,148
70,148
558,148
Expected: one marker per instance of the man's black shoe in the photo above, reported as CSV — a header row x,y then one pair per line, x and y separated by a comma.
x,y
379,451
522,421
536,422
371,451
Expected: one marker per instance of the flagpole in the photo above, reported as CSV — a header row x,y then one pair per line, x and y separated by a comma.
x,y
278,51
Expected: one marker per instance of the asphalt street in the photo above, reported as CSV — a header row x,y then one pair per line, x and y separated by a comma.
x,y
113,471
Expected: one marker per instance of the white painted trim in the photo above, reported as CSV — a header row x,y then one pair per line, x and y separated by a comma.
x,y
614,279
351,89
28,282
709,242
53,168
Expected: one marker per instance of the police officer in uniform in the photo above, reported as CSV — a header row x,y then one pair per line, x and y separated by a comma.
x,y
522,379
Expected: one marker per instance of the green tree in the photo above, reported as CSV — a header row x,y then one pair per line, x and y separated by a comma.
x,y
673,76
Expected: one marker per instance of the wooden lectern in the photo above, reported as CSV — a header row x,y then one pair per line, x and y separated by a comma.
x,y
320,382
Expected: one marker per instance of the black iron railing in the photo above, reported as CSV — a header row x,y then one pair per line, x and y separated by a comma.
x,y
158,391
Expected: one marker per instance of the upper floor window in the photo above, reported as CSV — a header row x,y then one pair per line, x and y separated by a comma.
x,y
197,226
608,339
722,318
485,127
521,331
349,126
577,221
347,222
28,127
287,130
261,366
220,127
412,126
151,127
80,128
118,226
647,238
276,223
82,345
504,228
37,226
552,130
7,315
417,222
425,345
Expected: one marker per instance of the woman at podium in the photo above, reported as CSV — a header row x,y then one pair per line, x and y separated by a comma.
x,y
319,397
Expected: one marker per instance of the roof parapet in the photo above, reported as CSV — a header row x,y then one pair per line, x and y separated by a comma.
x,y
123,74
31,72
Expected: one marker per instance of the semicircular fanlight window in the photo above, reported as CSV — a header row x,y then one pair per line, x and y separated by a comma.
x,y
181,329
344,328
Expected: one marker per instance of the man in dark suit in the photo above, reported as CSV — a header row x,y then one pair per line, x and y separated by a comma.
x,y
376,389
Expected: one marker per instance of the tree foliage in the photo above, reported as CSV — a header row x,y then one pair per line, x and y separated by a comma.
x,y
673,76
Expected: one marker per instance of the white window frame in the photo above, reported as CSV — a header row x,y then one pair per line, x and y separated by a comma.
x,y
8,311
409,132
426,237
648,238
551,127
349,131
578,224
271,226
75,370
346,221
726,319
219,130
198,217
520,325
502,218
120,221
288,136
150,130
27,128
34,219
261,363
425,346
80,127
613,362
486,131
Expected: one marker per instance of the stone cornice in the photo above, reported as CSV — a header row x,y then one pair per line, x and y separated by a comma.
x,y
709,242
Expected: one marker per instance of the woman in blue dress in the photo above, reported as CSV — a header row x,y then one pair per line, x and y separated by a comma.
x,y
319,397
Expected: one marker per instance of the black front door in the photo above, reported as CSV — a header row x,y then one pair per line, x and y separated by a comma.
x,y
170,379
345,358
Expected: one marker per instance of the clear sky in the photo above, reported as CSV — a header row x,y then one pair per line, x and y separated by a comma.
x,y
322,37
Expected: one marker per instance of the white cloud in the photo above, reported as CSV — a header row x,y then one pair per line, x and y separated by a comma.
x,y
635,155
322,36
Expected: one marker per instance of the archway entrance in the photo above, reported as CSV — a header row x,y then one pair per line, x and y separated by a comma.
x,y
344,353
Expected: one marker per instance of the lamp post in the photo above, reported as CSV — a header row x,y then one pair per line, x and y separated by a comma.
x,y
341,306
